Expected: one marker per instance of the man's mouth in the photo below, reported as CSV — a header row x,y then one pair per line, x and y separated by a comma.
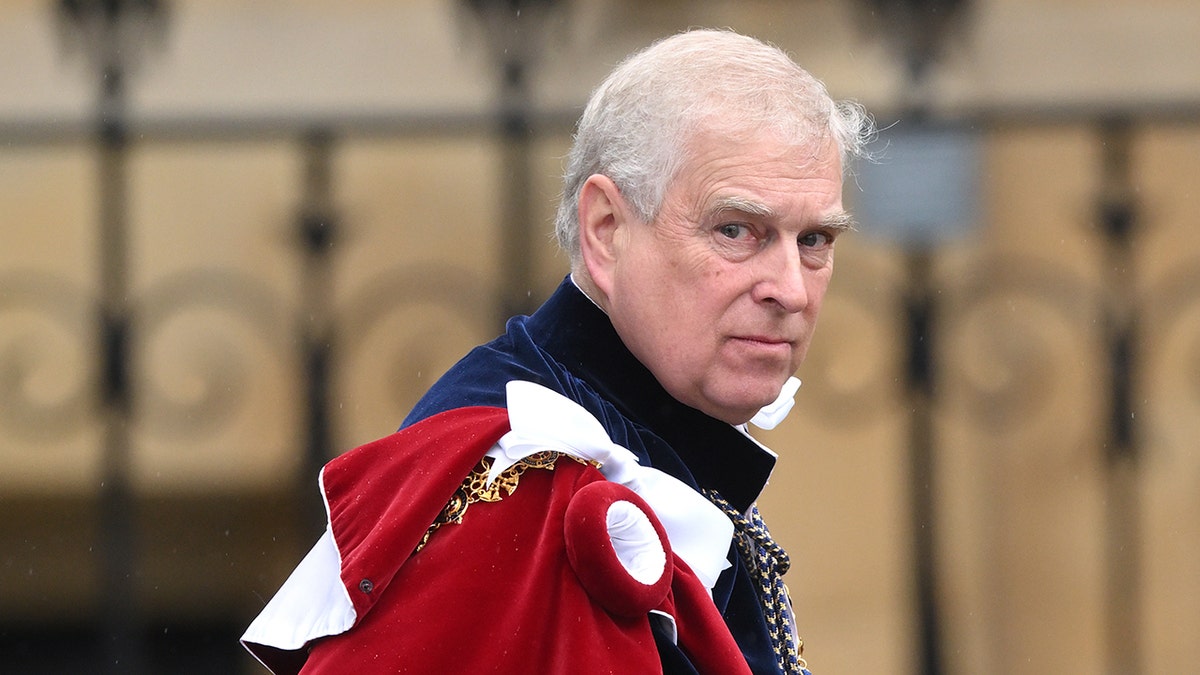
x,y
764,343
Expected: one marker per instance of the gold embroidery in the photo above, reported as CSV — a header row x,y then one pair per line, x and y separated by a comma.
x,y
476,488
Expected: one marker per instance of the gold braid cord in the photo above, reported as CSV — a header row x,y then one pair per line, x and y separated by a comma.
x,y
476,488
767,562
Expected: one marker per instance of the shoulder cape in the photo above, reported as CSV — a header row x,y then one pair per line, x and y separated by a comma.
x,y
564,574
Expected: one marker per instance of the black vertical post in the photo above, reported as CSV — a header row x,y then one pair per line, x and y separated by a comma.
x,y
515,30
919,28
1118,218
317,232
920,317
102,27
122,617
517,227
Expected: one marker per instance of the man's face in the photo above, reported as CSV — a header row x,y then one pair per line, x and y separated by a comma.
x,y
719,296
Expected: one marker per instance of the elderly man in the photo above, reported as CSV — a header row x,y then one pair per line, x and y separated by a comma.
x,y
577,496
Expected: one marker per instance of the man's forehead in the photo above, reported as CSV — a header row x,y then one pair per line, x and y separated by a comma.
x,y
755,161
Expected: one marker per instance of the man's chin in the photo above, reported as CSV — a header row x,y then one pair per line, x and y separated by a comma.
x,y
739,410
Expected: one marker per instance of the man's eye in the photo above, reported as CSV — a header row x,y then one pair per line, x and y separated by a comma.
x,y
815,240
732,230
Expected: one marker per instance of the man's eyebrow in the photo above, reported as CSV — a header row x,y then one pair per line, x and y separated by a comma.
x,y
840,221
743,205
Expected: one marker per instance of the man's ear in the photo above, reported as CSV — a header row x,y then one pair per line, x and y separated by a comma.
x,y
603,214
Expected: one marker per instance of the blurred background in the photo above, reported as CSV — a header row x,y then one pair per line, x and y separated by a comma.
x,y
238,237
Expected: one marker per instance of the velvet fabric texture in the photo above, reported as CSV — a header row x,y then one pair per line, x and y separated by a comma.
x,y
594,559
502,580
384,495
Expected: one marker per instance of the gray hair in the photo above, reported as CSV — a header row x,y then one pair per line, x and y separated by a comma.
x,y
638,123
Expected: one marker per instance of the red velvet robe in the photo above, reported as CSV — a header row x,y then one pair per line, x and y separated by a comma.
x,y
525,585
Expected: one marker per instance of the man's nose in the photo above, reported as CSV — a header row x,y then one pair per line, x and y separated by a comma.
x,y
781,280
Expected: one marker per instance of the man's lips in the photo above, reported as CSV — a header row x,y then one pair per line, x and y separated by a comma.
x,y
764,339
763,343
